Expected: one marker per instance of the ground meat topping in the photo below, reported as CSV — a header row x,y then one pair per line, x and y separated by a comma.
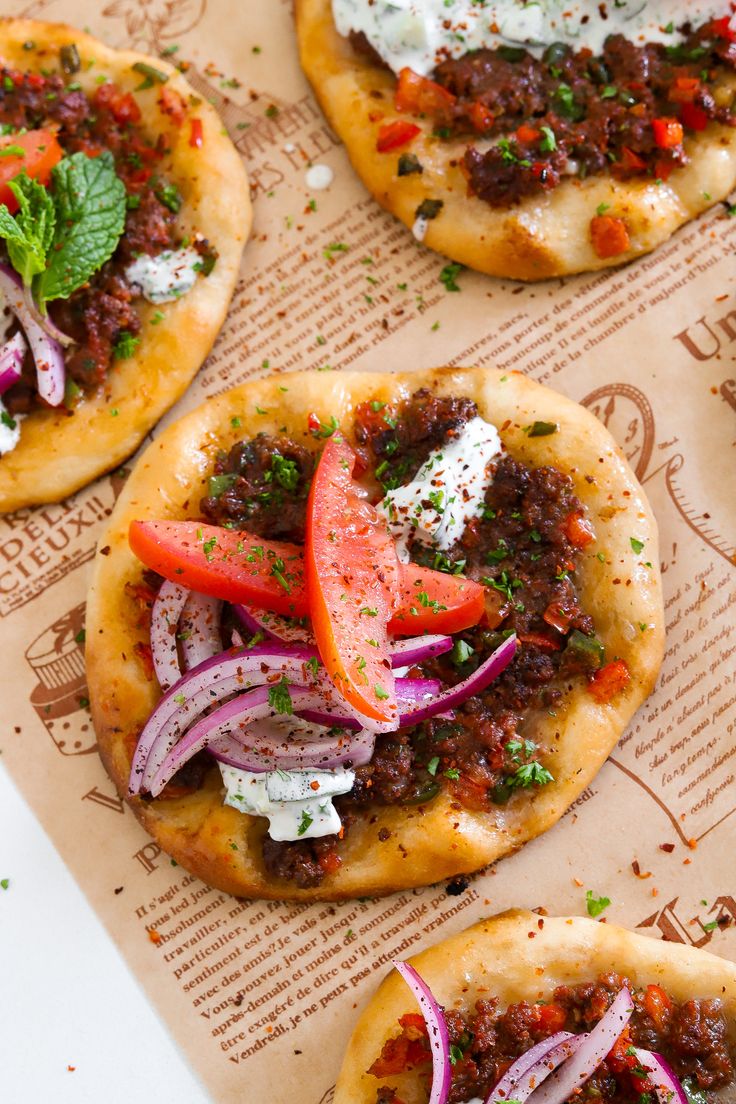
x,y
102,316
570,113
692,1036
261,485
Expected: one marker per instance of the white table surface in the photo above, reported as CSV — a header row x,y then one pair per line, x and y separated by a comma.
x,y
67,996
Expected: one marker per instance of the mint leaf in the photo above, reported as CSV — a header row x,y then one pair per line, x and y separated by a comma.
x,y
90,216
30,233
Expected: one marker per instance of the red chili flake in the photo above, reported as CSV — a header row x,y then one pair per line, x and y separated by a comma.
x,y
154,936
668,847
692,844
196,135
637,870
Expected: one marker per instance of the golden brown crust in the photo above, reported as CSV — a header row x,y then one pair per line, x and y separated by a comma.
x,y
434,841
57,454
541,237
497,958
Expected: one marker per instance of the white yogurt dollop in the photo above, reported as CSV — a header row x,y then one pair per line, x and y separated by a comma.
x,y
419,33
9,430
447,491
298,803
166,277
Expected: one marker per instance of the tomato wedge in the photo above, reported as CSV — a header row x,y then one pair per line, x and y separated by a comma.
x,y
433,602
352,573
40,152
225,563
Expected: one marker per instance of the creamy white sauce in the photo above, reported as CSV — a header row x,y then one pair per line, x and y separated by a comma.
x,y
319,177
9,430
419,33
166,277
447,491
298,803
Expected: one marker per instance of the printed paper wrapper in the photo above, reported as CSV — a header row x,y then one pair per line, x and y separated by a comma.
x,y
248,988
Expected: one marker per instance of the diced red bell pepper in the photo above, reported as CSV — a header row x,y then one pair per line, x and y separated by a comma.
x,y
609,681
609,235
694,118
683,90
668,133
419,95
392,136
578,530
196,134
526,133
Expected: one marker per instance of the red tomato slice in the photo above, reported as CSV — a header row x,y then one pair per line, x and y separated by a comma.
x,y
433,602
225,563
41,152
352,572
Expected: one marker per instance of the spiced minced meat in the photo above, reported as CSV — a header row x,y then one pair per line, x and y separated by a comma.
x,y
691,1035
573,114
524,547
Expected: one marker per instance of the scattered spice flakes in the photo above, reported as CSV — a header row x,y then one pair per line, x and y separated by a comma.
x,y
154,936
118,889
692,844
638,871
668,847
71,1069
578,883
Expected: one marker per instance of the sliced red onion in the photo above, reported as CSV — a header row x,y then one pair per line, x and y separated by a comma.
x,y
45,321
437,1029
165,616
666,1083
239,713
497,662
506,1088
273,626
407,690
199,629
204,686
47,351
545,1065
11,361
268,750
418,649
596,1045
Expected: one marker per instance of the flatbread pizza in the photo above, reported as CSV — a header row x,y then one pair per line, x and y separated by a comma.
x,y
125,209
435,596
521,999
530,141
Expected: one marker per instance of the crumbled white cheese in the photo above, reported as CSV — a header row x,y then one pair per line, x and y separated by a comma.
x,y
9,430
166,277
447,491
298,803
419,33
319,177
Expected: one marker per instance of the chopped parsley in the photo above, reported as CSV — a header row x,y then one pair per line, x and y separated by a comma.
x,y
329,251
596,905
432,765
279,697
449,275
125,345
285,472
304,823
636,544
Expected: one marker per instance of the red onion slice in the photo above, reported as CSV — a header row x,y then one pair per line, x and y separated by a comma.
x,y
666,1083
236,714
165,616
596,1045
497,662
199,629
11,361
206,685
267,750
437,1028
273,626
47,352
418,649
506,1088
45,321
